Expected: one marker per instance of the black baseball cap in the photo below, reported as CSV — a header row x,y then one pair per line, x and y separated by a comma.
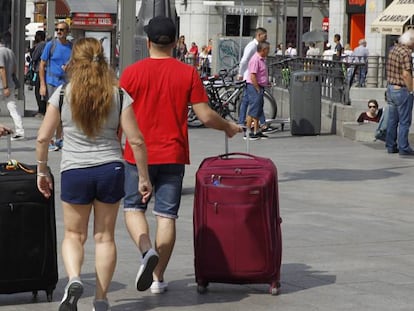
x,y
161,30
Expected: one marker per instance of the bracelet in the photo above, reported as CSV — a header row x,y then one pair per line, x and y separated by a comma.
x,y
42,174
41,162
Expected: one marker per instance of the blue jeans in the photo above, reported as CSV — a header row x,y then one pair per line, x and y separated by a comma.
x,y
243,110
167,182
400,107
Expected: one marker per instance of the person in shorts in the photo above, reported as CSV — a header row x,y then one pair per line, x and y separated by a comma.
x,y
92,166
161,106
257,79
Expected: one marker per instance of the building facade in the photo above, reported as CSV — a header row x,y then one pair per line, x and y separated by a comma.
x,y
201,20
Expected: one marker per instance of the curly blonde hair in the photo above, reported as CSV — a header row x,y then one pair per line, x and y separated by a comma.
x,y
92,86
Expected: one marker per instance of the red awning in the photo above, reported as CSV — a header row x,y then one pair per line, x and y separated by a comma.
x,y
62,10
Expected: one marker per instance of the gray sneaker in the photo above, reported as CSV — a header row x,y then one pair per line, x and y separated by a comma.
x,y
101,305
143,280
73,291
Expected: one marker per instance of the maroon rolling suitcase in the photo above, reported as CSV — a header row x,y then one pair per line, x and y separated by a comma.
x,y
237,234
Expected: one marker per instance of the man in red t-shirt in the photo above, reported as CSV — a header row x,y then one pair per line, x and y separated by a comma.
x,y
162,87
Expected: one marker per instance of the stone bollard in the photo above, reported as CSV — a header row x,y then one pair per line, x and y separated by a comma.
x,y
372,74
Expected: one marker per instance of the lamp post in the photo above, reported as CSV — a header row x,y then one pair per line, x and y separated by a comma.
x,y
126,29
51,15
299,30
18,35
241,28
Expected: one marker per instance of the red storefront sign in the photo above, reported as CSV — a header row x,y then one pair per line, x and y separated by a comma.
x,y
356,2
325,24
92,19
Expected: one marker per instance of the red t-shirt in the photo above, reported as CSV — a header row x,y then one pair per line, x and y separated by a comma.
x,y
162,89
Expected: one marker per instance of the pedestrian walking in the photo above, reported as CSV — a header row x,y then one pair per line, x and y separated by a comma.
x,y
248,52
360,55
40,44
7,87
160,106
257,80
54,59
92,167
338,48
400,95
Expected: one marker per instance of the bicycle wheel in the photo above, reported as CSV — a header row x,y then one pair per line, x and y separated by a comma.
x,y
232,99
230,105
192,119
269,106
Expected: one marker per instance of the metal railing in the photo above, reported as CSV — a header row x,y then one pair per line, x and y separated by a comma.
x,y
336,76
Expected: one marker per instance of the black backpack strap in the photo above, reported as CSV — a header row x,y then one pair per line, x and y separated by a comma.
x,y
121,99
61,95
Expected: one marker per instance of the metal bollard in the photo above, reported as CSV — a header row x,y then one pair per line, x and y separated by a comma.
x,y
372,74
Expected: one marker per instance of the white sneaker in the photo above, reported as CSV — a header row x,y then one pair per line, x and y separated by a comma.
x,y
143,280
17,137
159,287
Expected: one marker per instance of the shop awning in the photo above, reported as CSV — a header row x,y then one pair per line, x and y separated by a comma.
x,y
393,19
92,6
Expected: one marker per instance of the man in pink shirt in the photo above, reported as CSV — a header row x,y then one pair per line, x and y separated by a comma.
x,y
257,79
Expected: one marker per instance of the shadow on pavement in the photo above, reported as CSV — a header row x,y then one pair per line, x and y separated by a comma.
x,y
183,293
297,277
340,174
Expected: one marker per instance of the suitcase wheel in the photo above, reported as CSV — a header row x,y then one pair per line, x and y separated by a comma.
x,y
34,295
49,295
202,288
274,288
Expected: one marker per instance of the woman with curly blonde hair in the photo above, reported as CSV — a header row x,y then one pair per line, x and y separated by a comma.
x,y
92,167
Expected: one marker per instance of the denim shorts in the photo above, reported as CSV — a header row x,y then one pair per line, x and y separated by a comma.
x,y
255,100
104,183
167,183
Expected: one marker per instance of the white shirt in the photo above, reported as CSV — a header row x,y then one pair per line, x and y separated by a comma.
x,y
248,52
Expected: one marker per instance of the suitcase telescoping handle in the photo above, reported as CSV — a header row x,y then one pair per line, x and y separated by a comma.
x,y
226,141
8,146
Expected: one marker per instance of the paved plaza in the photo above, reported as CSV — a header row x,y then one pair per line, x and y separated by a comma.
x,y
348,237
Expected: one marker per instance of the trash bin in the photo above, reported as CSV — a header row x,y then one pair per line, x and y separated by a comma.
x,y
305,103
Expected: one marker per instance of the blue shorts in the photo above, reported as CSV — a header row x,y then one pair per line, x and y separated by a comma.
x,y
255,100
167,183
104,183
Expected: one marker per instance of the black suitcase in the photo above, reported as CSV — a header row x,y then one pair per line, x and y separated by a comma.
x,y
28,256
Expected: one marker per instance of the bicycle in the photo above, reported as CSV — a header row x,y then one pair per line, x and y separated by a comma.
x,y
225,97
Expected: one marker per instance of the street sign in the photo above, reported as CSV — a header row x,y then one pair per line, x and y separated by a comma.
x,y
219,3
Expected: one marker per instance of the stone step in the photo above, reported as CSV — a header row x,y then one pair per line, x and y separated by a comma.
x,y
365,132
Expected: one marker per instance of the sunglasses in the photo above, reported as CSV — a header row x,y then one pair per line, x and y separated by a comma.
x,y
60,29
372,107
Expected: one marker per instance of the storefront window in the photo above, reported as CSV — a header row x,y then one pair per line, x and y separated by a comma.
x,y
233,25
